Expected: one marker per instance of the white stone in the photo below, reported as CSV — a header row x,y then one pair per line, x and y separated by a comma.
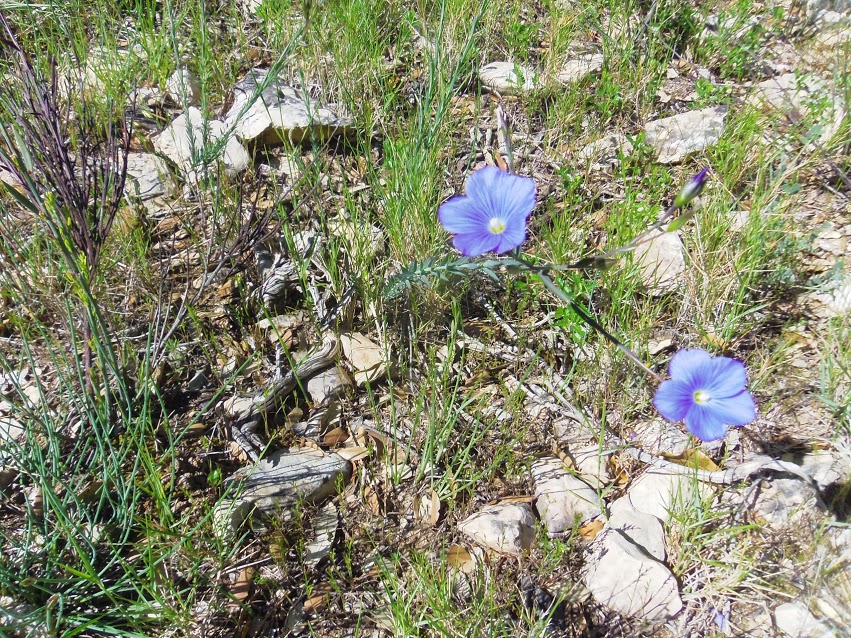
x,y
276,483
580,67
183,142
592,465
328,385
787,502
626,579
798,96
563,500
658,492
147,176
508,528
508,77
675,138
794,619
660,437
645,530
279,113
605,152
365,356
183,85
825,468
661,262
10,429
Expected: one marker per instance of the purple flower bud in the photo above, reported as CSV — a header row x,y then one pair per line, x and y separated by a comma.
x,y
692,189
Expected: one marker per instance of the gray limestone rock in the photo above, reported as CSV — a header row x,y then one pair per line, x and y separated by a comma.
x,y
508,528
562,499
276,483
279,113
508,77
626,579
675,138
184,141
147,177
661,262
645,530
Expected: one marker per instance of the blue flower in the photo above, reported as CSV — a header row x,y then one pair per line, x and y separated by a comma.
x,y
708,392
492,216
693,188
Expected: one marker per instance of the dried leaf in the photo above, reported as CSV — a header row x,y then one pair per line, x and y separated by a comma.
x,y
588,531
336,437
427,509
242,586
353,453
693,457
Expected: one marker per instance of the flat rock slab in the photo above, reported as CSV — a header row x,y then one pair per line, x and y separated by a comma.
x,y
645,530
787,502
183,142
280,113
507,528
660,437
328,385
626,579
276,483
795,620
562,499
366,357
147,176
661,262
657,492
508,78
675,138
580,67
799,96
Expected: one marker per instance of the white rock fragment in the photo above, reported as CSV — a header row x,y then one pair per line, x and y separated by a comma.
x,y
825,468
508,77
606,152
658,492
788,502
276,483
580,67
147,176
645,530
325,528
183,142
592,465
802,96
661,262
626,579
183,87
562,499
328,385
794,619
366,357
508,528
675,138
279,113
660,437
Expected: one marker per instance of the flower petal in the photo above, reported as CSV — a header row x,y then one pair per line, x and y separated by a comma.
x,y
475,244
735,410
726,377
704,423
462,215
513,235
687,365
502,194
673,400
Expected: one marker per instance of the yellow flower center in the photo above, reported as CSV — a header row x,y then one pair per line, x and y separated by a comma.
x,y
496,226
701,397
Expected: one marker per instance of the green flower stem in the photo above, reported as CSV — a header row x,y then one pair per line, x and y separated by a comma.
x,y
564,297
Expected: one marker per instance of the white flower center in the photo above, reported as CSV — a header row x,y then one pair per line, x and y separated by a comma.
x,y
496,226
701,396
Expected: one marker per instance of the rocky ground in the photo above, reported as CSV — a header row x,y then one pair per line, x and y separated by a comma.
x,y
350,465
